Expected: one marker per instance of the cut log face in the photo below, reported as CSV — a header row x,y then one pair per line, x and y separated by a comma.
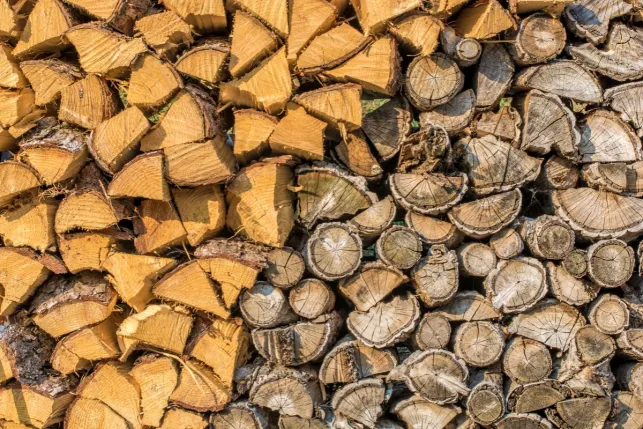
x,y
507,243
563,78
581,412
373,16
396,318
153,82
486,216
374,282
609,314
418,413
547,237
93,410
12,22
453,116
16,104
433,332
331,49
590,19
285,267
606,138
626,100
360,401
246,51
252,129
434,231
619,178
483,20
333,251
157,228
265,306
43,32
239,415
31,224
371,222
117,14
311,298
486,402
476,259
141,178
308,19
479,344
539,38
206,61
400,247
164,32
275,15
183,419
523,420
205,17
197,164
339,105
429,193
494,75
504,124
516,285
350,361
495,166
354,153
199,389
611,263
202,211
536,396
569,289
387,126
417,33
526,360
558,173
436,276
630,343
299,134
433,80
87,102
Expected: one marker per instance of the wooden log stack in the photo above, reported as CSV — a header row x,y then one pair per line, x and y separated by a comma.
x,y
322,214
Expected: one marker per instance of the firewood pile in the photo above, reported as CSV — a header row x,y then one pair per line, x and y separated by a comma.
x,y
322,214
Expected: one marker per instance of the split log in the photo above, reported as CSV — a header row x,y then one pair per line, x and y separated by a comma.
x,y
339,105
417,33
14,17
618,177
494,75
87,102
483,20
311,298
629,343
252,129
378,126
134,275
16,104
285,267
445,82
469,306
455,115
526,361
298,134
429,193
199,389
44,30
205,17
426,150
374,16
78,350
240,415
202,211
433,332
558,173
30,224
547,237
479,344
396,318
506,243
182,419
521,420
308,19
360,402
436,276
118,14
476,259
486,216
354,153
606,138
628,377
553,7
289,391
274,15
104,51
581,412
245,52
609,314
611,263
165,33
417,413
463,50
371,284
350,361
400,247
197,164
625,100
10,74
141,178
157,228
434,231
331,49
206,61
516,285
63,305
371,222
625,409
152,83
588,348
539,38
504,124
569,289
265,306
590,19
81,410
190,118
536,396
49,77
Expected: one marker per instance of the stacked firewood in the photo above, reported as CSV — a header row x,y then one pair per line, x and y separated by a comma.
x,y
253,214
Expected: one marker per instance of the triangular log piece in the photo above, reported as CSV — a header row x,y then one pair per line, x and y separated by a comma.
x,y
153,82
504,124
197,164
311,298
589,412
10,74
63,305
355,154
338,105
331,49
360,401
271,180
308,18
493,76
13,18
433,332
157,377
553,7
371,284
134,275
483,20
200,389
285,267
350,361
627,99
30,224
119,14
299,134
374,15
429,193
387,126
539,38
88,102
165,32
415,411
371,222
445,8
333,251
417,33
607,138
267,87
455,115
83,410
190,285
252,129
44,30
104,51
158,326
178,418
85,210
202,211
434,231
265,306
206,61
115,141
240,414
274,14
436,276
486,216
141,178
191,117
158,227
536,396
78,350
569,289
433,80
251,43
590,19
15,104
204,16
626,408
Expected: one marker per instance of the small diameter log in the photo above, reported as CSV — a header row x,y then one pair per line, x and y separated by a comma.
x,y
479,344
197,164
618,177
629,376
311,298
199,389
252,130
494,75
438,376
417,33
350,360
486,402
428,193
158,227
158,326
558,173
436,276
86,209
265,306
434,231
445,81
87,102
299,134
371,222
476,259
30,224
400,247
526,361
611,263
483,20
547,237
164,32
486,216
579,413
507,243
609,314
433,332
516,285
569,289
63,305
464,51
386,139
360,402
240,415
153,82
576,263
289,391
539,38
532,397
333,251
285,267
416,412
49,77
371,284
589,347
387,323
